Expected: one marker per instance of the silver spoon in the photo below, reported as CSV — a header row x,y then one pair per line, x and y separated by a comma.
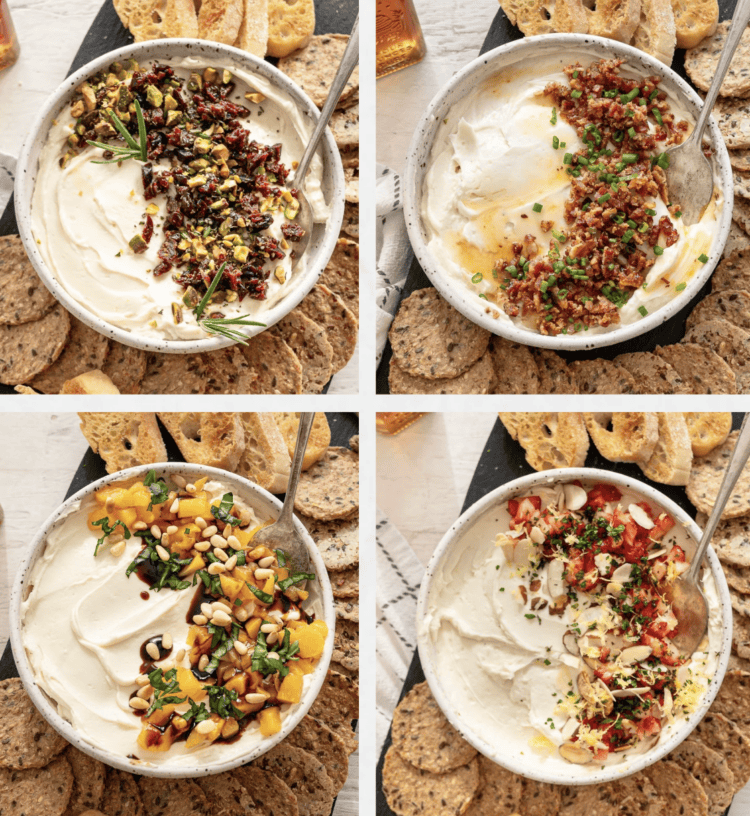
x,y
282,534
688,601
690,178
305,215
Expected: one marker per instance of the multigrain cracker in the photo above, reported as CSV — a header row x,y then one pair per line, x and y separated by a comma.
x,y
346,645
741,214
683,795
309,341
740,160
125,366
330,488
277,368
733,118
499,790
29,349
410,791
516,371
602,377
733,700
273,797
175,374
741,637
26,738
341,274
702,370
633,796
706,477
88,780
731,304
23,296
350,224
328,310
555,377
36,791
338,541
228,372
314,67
347,609
172,797
653,374
345,583
227,795
431,339
85,350
738,238
701,62
316,737
423,736
345,126
717,732
479,378
740,604
710,769
337,703
731,343
733,272
305,775
731,539
737,577
121,795
539,798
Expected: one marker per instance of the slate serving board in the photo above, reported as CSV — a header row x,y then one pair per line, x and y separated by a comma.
x,y
343,428
107,33
503,461
672,331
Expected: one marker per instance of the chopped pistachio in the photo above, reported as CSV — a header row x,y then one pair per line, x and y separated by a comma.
x,y
218,205
240,253
220,152
191,298
196,181
154,96
291,209
199,164
170,103
225,226
224,171
210,74
202,145
77,109
227,185
176,313
137,244
174,118
65,159
241,222
111,80
279,274
226,77
257,98
231,296
104,129
152,209
195,83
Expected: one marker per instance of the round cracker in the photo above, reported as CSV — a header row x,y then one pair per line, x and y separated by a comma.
x,y
88,780
733,700
30,348
633,796
227,795
337,701
314,66
731,304
345,583
305,775
737,663
737,577
707,475
499,790
702,370
710,769
516,371
682,793
26,738
701,62
172,797
347,609
85,350
603,377
431,339
740,160
740,603
330,488
276,367
555,377
308,340
338,541
717,732
733,272
121,794
316,737
539,798
741,187
653,374
175,374
350,224
478,379
36,791
410,791
329,311
228,372
423,736
341,274
272,795
344,125
731,343
351,191
23,296
346,645
741,636
125,366
731,539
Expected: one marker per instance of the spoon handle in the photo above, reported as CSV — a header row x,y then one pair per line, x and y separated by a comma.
x,y
737,462
344,71
740,20
303,433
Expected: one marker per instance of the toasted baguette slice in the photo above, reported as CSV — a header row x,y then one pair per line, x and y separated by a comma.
x,y
154,19
220,20
90,382
707,429
213,439
291,25
616,19
627,436
253,36
318,442
547,16
124,440
266,459
656,30
673,455
694,20
551,440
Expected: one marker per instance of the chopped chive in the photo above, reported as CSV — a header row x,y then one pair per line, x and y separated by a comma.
x,y
658,250
618,136
605,198
657,116
643,311
568,158
537,207
575,74
703,258
482,295
555,142
631,132
653,94
627,236
651,212
631,223
630,158
477,278
553,119
576,94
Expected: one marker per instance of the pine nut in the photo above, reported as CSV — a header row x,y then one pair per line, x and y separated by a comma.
x,y
201,523
155,532
273,655
180,656
267,628
272,638
209,531
190,488
140,525
152,650
109,504
165,539
202,546
254,699
231,562
234,542
207,609
206,726
221,619
172,495
218,606
216,568
266,562
166,641
118,549
228,530
241,614
203,662
179,480
200,620
162,553
171,530
180,723
175,506
167,665
145,692
240,647
115,538
220,554
218,541
142,680
138,703
277,588
264,573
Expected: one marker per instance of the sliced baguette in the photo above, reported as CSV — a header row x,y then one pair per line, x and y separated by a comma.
x,y
124,440
318,441
632,436
253,36
220,20
291,25
90,382
656,30
694,20
615,19
266,459
154,19
547,16
212,439
707,429
551,440
673,455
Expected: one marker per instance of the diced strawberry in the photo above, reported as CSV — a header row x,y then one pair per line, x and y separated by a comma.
x,y
600,494
662,526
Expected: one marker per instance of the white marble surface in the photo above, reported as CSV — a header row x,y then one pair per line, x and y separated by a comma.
x,y
422,479
50,33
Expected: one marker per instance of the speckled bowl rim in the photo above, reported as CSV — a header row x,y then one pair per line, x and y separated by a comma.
x,y
322,242
454,291
533,768
256,497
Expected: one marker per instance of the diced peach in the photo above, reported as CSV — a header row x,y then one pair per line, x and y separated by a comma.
x,y
269,585
231,587
197,635
152,739
290,690
184,539
128,516
319,623
189,685
306,666
237,683
149,516
292,624
110,492
161,715
302,594
191,508
136,496
311,641
198,563
252,627
270,721
201,483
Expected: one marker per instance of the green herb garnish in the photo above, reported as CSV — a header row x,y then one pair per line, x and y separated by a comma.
x,y
165,686
259,594
134,150
223,511
296,578
107,530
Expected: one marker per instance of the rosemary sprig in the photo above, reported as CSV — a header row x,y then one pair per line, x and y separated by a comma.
x,y
220,325
211,289
134,150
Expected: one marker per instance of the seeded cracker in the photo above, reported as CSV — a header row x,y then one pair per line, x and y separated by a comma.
x,y
85,350
701,369
431,339
272,795
733,700
515,368
175,374
88,780
741,214
733,118
23,297
683,795
345,584
228,372
121,795
653,374
347,610
710,769
706,477
330,488
555,377
634,796
717,732
499,790
125,366
314,67
277,367
26,739
423,736
341,275
172,797
740,160
36,791
227,795
731,540
738,238
346,645
740,604
603,377
539,798
729,342
731,304
316,737
701,62
31,348
329,311
733,272
737,577
350,224
304,774
413,792
479,378
308,340
337,705
345,126
741,636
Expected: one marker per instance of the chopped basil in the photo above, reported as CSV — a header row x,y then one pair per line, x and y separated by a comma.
x,y
158,488
259,594
296,578
223,511
703,258
165,685
107,530
220,701
680,287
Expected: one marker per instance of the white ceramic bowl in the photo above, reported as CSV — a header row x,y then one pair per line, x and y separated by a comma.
x,y
465,81
528,763
267,506
322,241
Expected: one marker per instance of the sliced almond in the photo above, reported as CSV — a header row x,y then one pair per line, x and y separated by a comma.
x,y
575,497
577,754
635,654
640,517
